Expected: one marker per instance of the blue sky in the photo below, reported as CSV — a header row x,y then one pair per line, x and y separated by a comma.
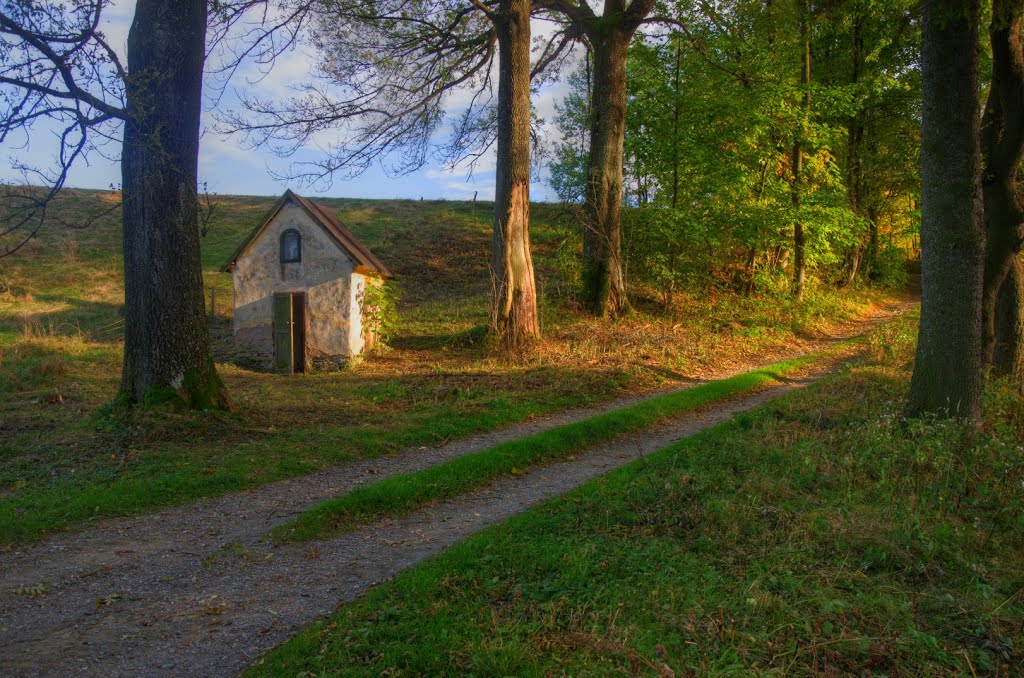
x,y
228,168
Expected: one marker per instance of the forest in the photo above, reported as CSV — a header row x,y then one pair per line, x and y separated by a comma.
x,y
745,395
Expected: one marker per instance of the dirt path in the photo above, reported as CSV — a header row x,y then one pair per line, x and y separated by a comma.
x,y
195,591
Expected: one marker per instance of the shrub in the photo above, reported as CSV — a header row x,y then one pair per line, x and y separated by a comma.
x,y
378,304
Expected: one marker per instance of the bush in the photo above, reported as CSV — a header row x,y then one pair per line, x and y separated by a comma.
x,y
378,304
890,270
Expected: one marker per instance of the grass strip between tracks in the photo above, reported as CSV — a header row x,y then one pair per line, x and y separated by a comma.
x,y
404,493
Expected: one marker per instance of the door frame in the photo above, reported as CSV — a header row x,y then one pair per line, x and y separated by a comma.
x,y
296,332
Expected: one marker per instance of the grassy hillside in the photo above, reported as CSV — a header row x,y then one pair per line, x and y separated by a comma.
x,y
63,460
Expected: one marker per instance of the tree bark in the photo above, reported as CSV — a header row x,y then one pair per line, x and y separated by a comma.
x,y
853,264
604,286
1002,143
608,35
514,309
799,236
1008,358
947,376
167,344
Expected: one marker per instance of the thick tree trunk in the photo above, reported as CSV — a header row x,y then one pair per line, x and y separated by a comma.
x,y
948,368
166,343
799,235
514,309
1008,358
604,286
1002,144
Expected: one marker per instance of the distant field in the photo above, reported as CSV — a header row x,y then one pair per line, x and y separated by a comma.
x,y
63,461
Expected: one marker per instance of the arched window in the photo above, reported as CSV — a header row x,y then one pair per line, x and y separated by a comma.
x,y
291,246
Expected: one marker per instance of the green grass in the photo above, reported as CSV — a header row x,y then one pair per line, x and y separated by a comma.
x,y
127,481
818,534
404,493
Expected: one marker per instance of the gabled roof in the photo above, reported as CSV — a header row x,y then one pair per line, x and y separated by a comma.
x,y
343,237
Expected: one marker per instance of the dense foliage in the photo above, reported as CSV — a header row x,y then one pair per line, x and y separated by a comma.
x,y
714,114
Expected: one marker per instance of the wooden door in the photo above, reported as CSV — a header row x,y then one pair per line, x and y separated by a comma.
x,y
299,332
283,361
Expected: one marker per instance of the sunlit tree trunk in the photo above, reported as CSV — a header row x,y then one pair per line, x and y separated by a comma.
x,y
167,343
514,309
948,368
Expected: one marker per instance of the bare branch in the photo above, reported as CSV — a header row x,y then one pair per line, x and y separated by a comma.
x,y
58,70
386,70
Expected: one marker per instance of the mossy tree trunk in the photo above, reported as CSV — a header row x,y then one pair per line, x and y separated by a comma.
x,y
514,308
167,344
1002,143
947,375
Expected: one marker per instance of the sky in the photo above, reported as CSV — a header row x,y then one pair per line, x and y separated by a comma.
x,y
228,168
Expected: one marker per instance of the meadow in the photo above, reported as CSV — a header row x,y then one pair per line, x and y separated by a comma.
x,y
67,457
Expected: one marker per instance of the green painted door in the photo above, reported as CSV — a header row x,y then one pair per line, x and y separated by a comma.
x,y
283,333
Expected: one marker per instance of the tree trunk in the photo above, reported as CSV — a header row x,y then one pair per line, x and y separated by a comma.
x,y
749,271
1003,217
947,376
855,131
799,236
1008,358
676,89
167,342
871,256
1002,144
514,308
852,266
604,287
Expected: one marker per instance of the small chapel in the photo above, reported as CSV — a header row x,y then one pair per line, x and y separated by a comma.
x,y
299,283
